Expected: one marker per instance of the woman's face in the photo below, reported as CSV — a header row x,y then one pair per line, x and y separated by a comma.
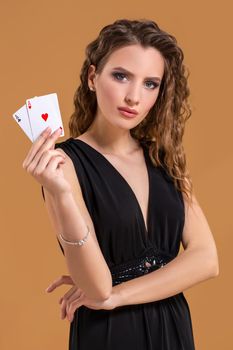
x,y
136,85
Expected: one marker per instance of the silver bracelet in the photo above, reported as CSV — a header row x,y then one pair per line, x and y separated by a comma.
x,y
80,242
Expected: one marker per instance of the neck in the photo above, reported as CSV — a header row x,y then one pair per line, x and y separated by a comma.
x,y
111,139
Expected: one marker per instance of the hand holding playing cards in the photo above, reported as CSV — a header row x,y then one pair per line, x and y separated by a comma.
x,y
43,163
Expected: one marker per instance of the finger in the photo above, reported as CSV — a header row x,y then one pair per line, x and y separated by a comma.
x,y
65,303
54,163
41,152
36,146
45,161
70,292
51,140
73,306
44,142
63,309
56,284
64,279
38,165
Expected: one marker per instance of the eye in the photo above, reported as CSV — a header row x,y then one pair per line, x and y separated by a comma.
x,y
155,85
117,74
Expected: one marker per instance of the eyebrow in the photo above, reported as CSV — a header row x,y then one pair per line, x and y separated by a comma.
x,y
126,71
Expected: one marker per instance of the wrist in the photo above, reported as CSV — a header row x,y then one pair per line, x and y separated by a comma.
x,y
63,196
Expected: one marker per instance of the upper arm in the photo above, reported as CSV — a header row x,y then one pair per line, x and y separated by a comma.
x,y
196,232
71,176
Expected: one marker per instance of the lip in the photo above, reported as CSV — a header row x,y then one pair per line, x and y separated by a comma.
x,y
129,110
127,114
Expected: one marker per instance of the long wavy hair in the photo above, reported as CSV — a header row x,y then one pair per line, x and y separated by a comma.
x,y
163,128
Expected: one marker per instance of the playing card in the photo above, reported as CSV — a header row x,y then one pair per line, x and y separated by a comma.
x,y
21,117
43,111
55,101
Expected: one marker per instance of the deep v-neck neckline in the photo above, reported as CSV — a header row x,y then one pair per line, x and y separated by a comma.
x,y
146,223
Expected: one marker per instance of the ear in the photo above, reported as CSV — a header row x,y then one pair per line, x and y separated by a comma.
x,y
91,75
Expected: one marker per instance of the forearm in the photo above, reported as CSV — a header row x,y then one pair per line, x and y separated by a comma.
x,y
187,269
85,263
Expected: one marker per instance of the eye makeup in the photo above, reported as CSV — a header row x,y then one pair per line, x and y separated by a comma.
x,y
116,75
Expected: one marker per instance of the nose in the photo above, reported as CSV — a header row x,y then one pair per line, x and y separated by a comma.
x,y
133,97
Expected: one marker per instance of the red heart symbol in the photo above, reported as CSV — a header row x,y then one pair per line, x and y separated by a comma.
x,y
44,116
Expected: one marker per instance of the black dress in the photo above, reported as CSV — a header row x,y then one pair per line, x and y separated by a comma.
x,y
126,245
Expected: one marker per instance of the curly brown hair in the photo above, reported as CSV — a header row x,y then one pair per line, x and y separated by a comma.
x,y
163,127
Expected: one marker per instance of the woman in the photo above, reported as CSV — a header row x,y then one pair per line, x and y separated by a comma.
x,y
120,197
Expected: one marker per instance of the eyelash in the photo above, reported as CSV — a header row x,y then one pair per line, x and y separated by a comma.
x,y
118,73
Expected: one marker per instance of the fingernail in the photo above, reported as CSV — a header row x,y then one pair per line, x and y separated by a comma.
x,y
47,131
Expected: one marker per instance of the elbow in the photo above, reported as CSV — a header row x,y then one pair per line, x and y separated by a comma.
x,y
105,296
101,292
98,294
214,265
215,269
105,289
107,286
106,293
210,261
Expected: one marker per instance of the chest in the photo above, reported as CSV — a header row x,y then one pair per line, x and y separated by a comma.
x,y
133,171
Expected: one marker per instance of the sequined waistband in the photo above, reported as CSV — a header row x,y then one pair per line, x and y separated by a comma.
x,y
151,260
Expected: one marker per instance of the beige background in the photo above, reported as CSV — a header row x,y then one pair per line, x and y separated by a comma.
x,y
42,50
